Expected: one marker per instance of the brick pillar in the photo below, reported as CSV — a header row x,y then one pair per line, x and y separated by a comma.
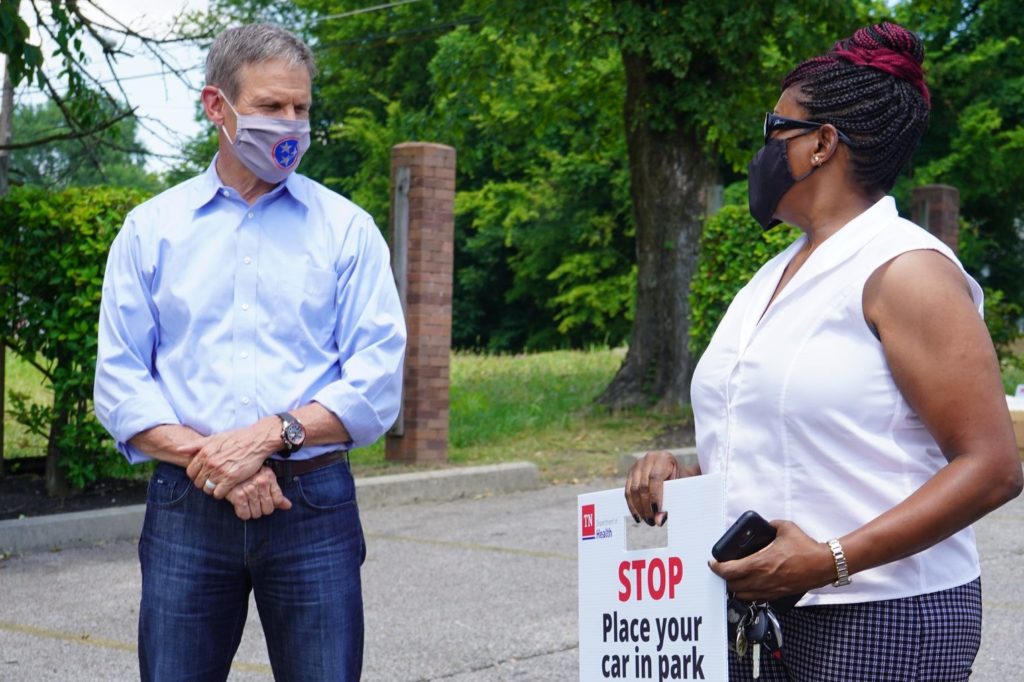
x,y
936,208
422,251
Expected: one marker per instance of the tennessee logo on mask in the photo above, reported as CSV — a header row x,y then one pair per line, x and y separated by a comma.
x,y
286,152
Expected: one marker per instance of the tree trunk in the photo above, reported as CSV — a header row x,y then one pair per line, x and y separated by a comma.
x,y
6,117
670,175
56,480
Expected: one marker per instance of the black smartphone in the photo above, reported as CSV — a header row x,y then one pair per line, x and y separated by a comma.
x,y
750,533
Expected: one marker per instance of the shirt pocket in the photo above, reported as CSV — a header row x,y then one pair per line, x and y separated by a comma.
x,y
303,303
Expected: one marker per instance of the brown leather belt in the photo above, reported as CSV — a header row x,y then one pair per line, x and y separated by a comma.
x,y
285,468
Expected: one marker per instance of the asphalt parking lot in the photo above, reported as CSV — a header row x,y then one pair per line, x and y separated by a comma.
x,y
475,589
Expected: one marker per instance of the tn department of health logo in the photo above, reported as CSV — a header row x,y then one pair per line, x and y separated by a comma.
x,y
286,152
589,522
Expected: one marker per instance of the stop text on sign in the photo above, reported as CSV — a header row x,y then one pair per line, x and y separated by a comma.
x,y
655,578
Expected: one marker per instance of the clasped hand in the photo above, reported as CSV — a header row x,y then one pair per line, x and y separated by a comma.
x,y
233,462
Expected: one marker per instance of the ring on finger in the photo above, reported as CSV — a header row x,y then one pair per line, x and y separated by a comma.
x,y
209,486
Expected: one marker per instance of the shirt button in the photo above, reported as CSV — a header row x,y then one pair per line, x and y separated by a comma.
x,y
224,192
247,260
251,214
245,401
245,306
244,355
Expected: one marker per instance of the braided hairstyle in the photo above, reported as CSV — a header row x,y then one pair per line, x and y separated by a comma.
x,y
871,87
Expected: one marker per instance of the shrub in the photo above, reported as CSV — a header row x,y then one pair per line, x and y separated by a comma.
x,y
51,275
1002,317
732,248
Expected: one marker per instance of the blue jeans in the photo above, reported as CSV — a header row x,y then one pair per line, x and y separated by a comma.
x,y
199,562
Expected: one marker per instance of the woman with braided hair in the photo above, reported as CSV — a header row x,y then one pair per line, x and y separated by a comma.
x,y
852,392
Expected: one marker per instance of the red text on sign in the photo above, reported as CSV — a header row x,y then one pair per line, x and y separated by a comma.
x,y
660,580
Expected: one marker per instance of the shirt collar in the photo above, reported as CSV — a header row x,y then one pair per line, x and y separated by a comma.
x,y
209,185
882,211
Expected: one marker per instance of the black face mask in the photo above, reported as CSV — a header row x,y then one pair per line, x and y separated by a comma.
x,y
769,178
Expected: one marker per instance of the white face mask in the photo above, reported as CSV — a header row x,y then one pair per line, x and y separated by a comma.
x,y
269,147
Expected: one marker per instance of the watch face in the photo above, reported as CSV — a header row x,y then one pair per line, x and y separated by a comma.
x,y
295,433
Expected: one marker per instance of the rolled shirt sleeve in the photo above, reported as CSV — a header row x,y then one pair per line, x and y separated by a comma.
x,y
371,335
127,399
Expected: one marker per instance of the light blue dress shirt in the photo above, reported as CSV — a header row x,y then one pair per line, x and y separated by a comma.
x,y
216,313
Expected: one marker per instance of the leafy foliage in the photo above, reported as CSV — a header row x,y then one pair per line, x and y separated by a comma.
x,y
531,94
732,248
544,237
975,136
86,107
545,189
113,157
23,58
51,276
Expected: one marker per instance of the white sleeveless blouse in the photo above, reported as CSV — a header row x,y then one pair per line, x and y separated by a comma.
x,y
799,411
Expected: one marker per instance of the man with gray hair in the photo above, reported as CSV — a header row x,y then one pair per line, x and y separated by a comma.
x,y
250,335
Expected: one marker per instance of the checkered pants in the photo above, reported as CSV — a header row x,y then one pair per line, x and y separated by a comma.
x,y
929,637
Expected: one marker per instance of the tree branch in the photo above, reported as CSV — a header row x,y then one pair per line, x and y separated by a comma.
x,y
47,373
70,135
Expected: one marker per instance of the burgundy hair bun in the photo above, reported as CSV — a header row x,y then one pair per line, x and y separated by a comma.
x,y
890,48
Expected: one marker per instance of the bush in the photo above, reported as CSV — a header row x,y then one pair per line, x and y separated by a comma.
x,y
51,276
732,248
1002,317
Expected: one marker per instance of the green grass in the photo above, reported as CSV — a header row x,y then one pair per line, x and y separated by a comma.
x,y
21,377
537,408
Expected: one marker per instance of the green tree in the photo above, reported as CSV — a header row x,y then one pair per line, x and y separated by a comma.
x,y
975,136
117,158
588,134
544,237
545,180
697,75
66,41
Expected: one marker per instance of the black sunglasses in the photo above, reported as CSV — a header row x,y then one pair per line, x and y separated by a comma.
x,y
773,122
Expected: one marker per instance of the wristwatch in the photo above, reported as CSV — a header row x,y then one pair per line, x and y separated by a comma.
x,y
293,434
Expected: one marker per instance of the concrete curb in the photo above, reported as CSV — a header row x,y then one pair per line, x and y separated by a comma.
x,y
685,457
74,529
444,485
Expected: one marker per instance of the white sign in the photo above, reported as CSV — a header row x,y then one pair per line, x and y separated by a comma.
x,y
652,614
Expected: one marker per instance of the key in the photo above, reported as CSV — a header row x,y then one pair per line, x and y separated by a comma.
x,y
758,627
773,642
755,633
741,615
741,638
734,614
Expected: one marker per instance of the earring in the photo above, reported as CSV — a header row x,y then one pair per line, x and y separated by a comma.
x,y
815,159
